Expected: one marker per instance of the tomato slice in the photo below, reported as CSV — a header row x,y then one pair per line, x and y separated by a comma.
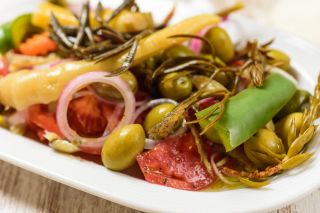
x,y
175,163
85,115
39,116
4,67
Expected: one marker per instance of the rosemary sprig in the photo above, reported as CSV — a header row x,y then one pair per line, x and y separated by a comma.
x,y
98,43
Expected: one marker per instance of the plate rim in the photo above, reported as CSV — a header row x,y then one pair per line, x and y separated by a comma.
x,y
12,159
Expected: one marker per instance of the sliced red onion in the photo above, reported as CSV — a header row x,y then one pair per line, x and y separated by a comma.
x,y
93,144
150,143
143,98
140,103
218,173
103,100
114,117
196,44
83,93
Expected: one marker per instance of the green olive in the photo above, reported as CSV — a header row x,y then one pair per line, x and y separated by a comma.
x,y
283,126
264,149
177,51
213,86
225,78
59,2
130,22
122,146
157,114
109,92
146,67
221,42
216,60
279,58
239,154
151,63
175,86
296,104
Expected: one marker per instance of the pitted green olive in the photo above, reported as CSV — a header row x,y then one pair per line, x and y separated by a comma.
x,y
296,104
122,146
131,22
213,86
239,154
265,148
216,60
109,92
151,63
157,114
147,66
221,42
284,125
175,86
177,51
279,58
226,79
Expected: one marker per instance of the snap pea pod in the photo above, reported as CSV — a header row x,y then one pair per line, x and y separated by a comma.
x,y
19,91
248,111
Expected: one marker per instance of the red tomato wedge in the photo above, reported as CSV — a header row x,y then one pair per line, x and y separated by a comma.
x,y
175,163
85,115
4,67
39,116
39,44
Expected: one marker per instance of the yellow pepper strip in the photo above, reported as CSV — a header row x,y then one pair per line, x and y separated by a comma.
x,y
24,88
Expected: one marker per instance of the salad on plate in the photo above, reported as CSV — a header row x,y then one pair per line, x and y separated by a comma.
x,y
182,105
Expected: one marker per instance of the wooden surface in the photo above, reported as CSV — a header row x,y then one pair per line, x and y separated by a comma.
x,y
23,191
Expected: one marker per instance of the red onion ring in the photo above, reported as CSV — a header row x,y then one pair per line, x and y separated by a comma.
x,y
103,100
218,173
142,98
82,94
93,144
196,44
115,114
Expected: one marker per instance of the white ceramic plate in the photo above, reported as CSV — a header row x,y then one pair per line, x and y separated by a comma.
x,y
135,193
